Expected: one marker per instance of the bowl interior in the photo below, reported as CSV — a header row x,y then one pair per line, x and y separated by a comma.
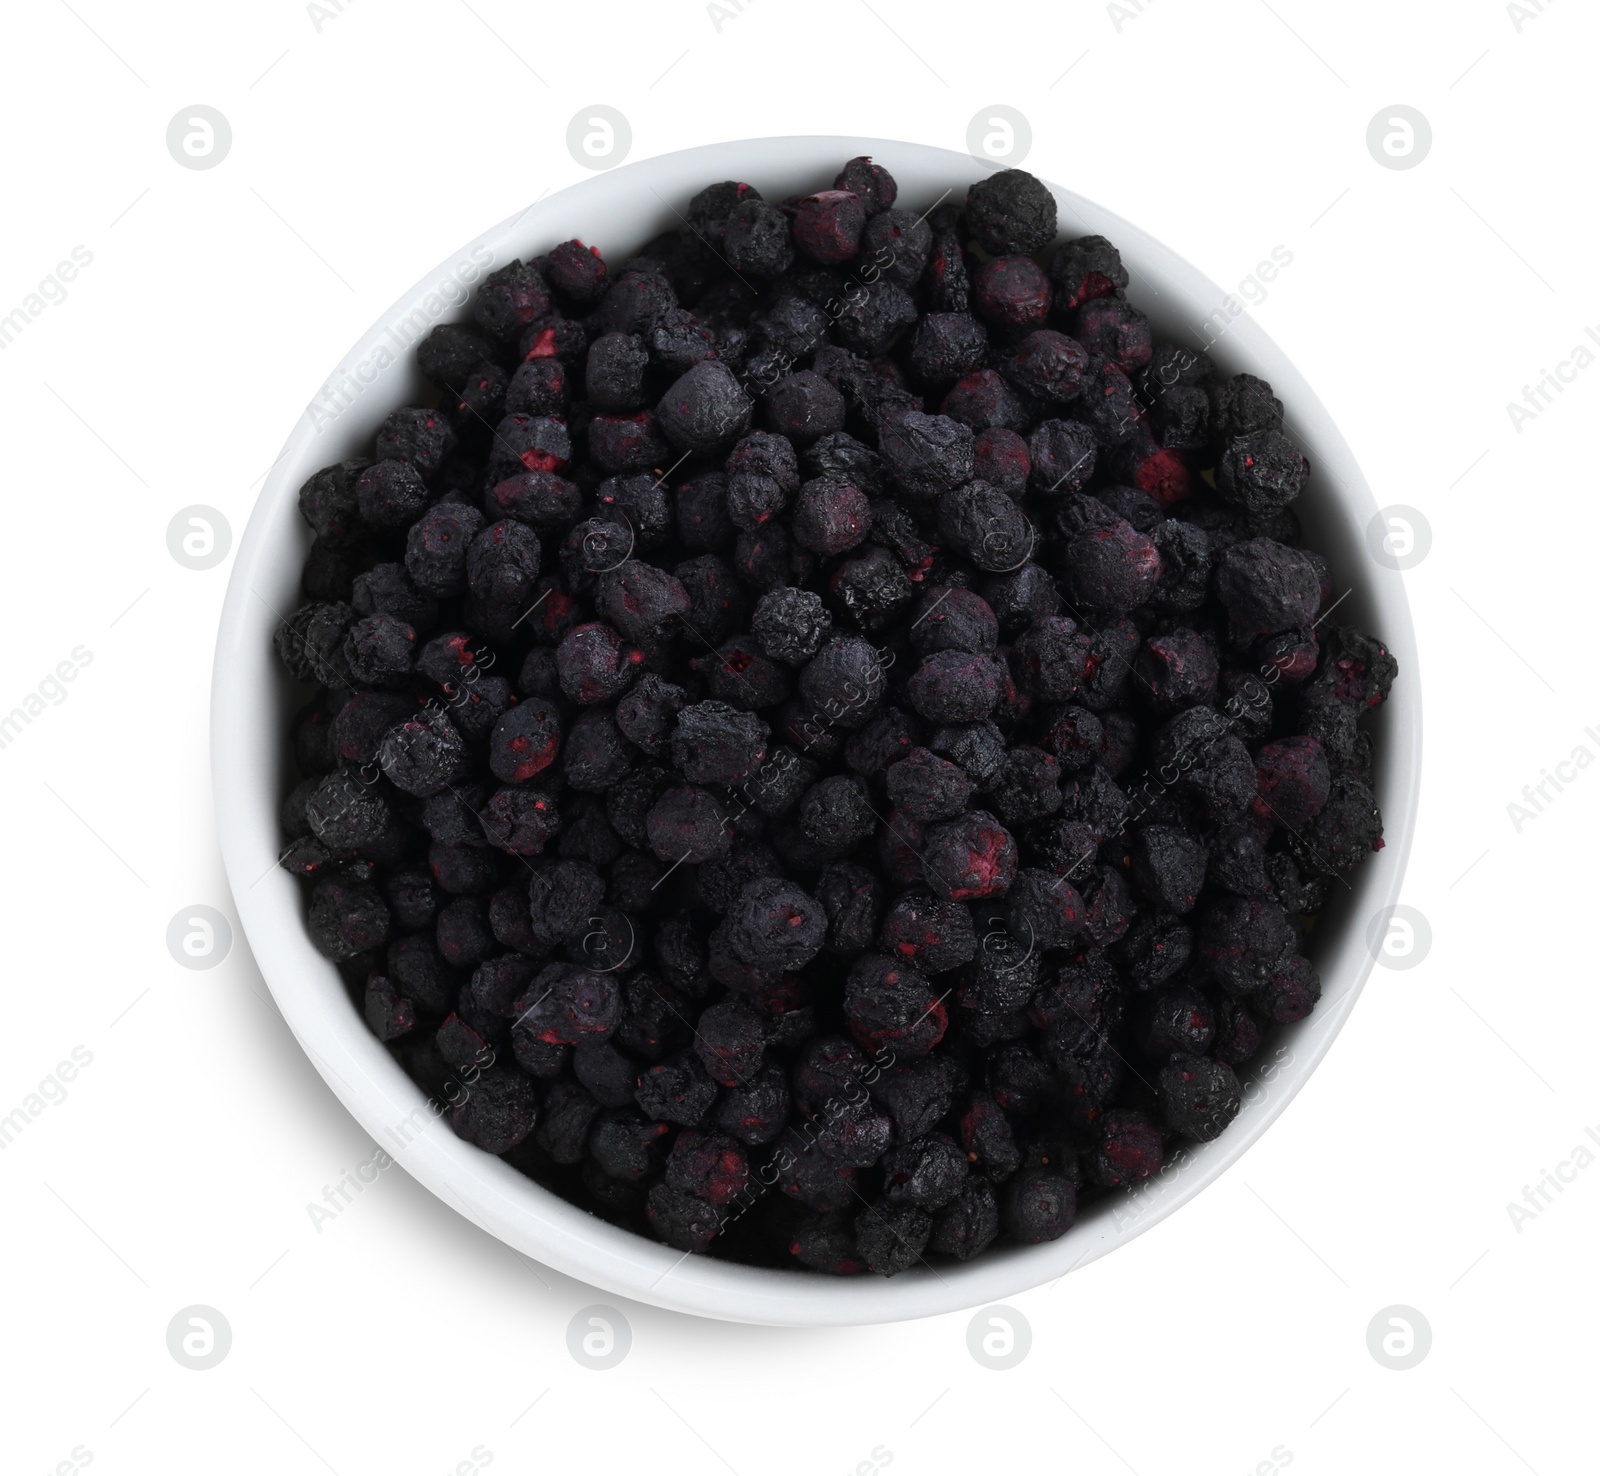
x,y
253,700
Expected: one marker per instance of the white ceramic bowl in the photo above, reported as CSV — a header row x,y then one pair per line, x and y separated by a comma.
x,y
251,702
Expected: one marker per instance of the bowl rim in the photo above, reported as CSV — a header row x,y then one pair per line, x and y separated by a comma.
x,y
249,765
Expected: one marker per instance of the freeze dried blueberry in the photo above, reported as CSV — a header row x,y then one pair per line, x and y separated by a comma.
x,y
955,687
927,1172
1075,736
677,1090
1169,866
1012,292
595,755
386,589
424,754
774,926
1177,1019
970,857
934,935
1042,910
826,1242
1113,569
1244,405
576,271
462,934
969,1224
1241,941
1063,454
762,476
871,183
416,435
1129,1149
498,1112
524,742
378,650
704,408
413,898
388,1013
614,372
1112,328
756,239
872,317
538,387
437,546
561,899
1000,457
391,494
892,1237
1027,787
871,589
684,1221
946,347
1290,993
594,665
688,824
836,812
461,1046
852,897
986,526
717,603
790,624
1108,405
309,642
953,619
1048,366
1292,780
1354,671
926,454
710,1166
780,783
1037,1205
928,787
854,1135
680,341
986,402
568,1114
1199,1096
502,568
738,674
633,303
450,353
977,748
717,744
843,682
626,1146
564,1005
629,443
1266,586
1197,751
1052,657
1087,268
827,226
641,601
1345,831
831,516
1011,210
755,1110
987,1138
328,500
1261,472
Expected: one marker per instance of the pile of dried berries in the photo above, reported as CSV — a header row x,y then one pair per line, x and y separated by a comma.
x,y
823,748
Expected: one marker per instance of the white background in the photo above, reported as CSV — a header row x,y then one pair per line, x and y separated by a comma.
x,y
369,144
